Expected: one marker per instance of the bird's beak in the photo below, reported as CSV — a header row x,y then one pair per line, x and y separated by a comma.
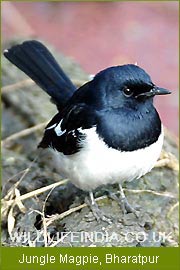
x,y
160,91
155,91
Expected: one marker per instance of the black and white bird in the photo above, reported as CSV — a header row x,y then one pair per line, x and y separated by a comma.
x,y
107,131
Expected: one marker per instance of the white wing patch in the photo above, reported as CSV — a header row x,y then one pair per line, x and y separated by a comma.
x,y
58,130
51,127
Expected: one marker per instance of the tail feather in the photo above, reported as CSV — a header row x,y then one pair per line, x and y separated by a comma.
x,y
34,59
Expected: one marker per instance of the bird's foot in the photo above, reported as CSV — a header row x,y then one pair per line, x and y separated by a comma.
x,y
127,207
98,214
123,202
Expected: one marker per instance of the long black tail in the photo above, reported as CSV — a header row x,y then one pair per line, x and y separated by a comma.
x,y
34,59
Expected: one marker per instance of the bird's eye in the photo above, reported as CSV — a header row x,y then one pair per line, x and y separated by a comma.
x,y
128,92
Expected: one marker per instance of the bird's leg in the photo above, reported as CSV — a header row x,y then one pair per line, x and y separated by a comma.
x,y
123,202
95,209
126,207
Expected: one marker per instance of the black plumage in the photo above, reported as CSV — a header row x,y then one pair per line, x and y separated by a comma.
x,y
123,122
107,131
38,63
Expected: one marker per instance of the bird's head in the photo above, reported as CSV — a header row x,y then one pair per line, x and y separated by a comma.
x,y
126,86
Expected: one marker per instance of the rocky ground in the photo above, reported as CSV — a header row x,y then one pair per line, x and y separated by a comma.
x,y
36,201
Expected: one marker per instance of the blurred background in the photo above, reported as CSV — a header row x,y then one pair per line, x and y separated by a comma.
x,y
101,34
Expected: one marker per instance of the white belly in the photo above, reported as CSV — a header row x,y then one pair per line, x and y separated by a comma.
x,y
96,164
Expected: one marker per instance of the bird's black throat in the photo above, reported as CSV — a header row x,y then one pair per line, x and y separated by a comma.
x,y
130,130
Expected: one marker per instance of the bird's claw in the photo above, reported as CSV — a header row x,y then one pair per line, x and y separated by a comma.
x,y
98,214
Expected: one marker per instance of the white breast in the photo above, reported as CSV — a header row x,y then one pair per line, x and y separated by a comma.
x,y
96,164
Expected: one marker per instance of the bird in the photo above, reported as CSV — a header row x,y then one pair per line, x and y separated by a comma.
x,y
105,132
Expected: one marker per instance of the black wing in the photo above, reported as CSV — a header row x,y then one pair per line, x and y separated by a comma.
x,y
65,131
